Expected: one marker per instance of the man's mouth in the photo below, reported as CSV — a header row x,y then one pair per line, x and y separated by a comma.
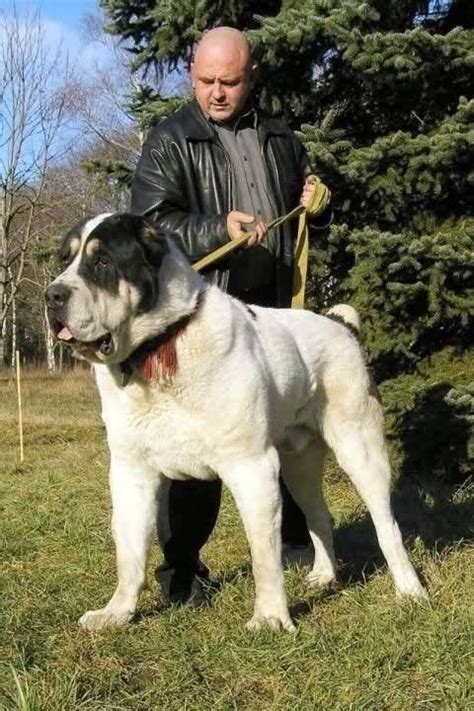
x,y
103,344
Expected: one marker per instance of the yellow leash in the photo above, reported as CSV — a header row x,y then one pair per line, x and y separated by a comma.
x,y
318,203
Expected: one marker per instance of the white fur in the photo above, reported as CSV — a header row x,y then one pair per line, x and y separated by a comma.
x,y
347,313
250,394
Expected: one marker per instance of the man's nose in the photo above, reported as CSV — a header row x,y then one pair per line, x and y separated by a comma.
x,y
56,295
217,90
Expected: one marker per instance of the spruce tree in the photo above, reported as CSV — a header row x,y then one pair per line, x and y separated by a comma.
x,y
381,94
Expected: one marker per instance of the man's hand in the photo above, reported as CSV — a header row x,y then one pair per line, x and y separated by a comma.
x,y
311,185
236,221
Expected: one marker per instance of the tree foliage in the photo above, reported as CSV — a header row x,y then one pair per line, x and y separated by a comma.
x,y
381,93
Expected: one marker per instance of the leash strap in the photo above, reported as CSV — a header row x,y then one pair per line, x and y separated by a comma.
x,y
318,203
300,268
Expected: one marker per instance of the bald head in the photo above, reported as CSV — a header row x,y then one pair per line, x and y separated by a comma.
x,y
226,43
222,73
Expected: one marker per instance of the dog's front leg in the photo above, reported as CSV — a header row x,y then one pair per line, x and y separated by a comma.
x,y
134,492
254,485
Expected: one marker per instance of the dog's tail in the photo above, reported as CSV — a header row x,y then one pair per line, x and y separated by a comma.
x,y
348,316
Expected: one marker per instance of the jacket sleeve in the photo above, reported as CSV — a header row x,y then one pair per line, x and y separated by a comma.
x,y
159,192
317,222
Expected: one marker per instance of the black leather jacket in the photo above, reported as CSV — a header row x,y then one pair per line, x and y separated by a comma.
x,y
184,182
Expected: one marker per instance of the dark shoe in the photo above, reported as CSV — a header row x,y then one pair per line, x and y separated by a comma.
x,y
184,586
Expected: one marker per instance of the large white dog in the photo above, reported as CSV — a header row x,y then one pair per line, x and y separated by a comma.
x,y
196,384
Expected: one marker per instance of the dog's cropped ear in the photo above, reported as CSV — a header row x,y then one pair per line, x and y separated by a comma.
x,y
153,242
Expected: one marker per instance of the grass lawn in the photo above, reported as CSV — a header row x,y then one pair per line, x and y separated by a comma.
x,y
357,646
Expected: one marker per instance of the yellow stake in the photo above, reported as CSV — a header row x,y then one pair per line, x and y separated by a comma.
x,y
20,411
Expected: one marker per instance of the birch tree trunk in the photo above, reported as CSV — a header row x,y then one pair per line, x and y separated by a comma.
x,y
49,343
34,80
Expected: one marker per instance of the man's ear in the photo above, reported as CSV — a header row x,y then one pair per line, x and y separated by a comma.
x,y
192,74
153,242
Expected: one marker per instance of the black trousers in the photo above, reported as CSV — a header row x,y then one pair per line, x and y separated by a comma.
x,y
193,506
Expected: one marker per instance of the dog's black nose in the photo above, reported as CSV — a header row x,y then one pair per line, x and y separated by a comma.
x,y
57,295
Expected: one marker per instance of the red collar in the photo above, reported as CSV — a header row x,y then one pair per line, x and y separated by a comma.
x,y
158,358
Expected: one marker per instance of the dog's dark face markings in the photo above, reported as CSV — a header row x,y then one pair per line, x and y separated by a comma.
x,y
111,272
71,244
124,248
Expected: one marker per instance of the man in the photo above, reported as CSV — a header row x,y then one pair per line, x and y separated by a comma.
x,y
215,168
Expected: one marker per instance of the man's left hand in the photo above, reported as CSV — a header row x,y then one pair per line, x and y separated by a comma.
x,y
310,186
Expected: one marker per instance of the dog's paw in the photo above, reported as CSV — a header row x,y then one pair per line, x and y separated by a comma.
x,y
259,622
411,587
321,578
94,620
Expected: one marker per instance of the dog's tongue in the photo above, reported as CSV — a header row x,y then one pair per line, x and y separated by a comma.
x,y
65,334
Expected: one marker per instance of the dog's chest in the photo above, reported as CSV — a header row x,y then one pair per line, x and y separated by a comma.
x,y
155,429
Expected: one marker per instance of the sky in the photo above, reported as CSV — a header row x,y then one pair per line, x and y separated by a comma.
x,y
68,12
63,25
62,20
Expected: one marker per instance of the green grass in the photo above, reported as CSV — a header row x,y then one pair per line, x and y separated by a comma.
x,y
357,646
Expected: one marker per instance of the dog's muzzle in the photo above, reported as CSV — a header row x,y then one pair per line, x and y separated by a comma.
x,y
57,296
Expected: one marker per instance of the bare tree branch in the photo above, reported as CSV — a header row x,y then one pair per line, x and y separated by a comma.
x,y
33,110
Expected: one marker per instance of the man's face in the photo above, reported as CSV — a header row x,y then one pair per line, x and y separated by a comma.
x,y
222,82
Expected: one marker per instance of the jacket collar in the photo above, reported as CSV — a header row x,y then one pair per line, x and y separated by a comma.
x,y
197,127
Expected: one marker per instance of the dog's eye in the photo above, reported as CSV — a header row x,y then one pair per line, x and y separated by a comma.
x,y
63,259
102,261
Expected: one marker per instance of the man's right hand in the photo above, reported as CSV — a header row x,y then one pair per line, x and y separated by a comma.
x,y
235,222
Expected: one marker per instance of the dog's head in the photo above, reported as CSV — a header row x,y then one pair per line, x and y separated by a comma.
x,y
110,276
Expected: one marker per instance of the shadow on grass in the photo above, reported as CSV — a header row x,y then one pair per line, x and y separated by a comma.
x,y
427,511
211,588
429,502
439,515
437,443
430,512
437,434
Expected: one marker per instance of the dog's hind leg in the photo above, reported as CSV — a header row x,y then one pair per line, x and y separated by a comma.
x,y
303,475
253,482
134,491
359,446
